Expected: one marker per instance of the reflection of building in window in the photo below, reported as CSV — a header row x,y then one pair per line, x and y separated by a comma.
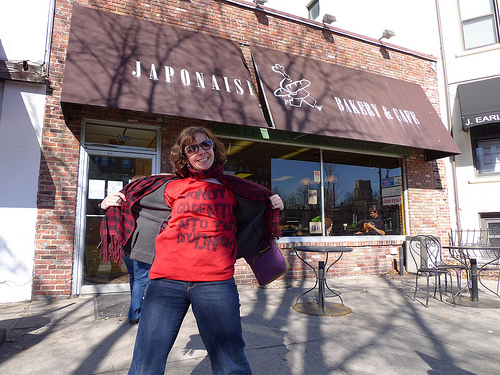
x,y
363,191
363,197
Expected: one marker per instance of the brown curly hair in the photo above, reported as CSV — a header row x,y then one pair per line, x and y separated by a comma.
x,y
178,158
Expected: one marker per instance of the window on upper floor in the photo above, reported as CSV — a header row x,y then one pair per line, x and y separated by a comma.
x,y
479,22
313,9
486,144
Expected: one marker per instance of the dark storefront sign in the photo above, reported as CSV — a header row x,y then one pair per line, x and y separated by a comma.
x,y
479,102
309,96
121,62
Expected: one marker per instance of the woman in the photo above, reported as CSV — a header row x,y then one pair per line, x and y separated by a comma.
x,y
195,257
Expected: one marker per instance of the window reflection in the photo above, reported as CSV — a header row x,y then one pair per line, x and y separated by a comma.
x,y
345,187
486,142
299,185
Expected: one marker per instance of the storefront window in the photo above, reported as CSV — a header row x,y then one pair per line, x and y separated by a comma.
x,y
486,141
488,156
325,192
299,184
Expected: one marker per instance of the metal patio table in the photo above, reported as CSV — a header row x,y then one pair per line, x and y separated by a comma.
x,y
470,254
321,307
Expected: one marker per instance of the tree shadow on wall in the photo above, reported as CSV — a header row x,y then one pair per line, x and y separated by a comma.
x,y
47,189
107,72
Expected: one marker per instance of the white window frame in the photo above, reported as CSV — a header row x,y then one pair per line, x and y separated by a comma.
x,y
313,9
467,21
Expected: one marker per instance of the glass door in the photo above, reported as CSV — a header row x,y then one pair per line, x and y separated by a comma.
x,y
107,173
111,155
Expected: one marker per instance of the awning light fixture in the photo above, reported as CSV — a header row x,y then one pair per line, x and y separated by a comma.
x,y
260,2
328,18
387,34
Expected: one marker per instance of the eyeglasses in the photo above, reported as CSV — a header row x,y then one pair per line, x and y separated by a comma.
x,y
206,145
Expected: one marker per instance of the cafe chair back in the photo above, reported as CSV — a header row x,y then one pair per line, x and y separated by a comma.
x,y
456,262
426,252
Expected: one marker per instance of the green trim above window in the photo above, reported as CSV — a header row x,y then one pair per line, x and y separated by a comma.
x,y
367,153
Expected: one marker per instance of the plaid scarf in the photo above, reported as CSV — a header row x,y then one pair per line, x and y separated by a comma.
x,y
118,224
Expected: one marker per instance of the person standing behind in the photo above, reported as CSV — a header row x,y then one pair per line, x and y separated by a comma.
x,y
150,212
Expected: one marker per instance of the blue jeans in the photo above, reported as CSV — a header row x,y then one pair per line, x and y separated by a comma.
x,y
139,279
216,307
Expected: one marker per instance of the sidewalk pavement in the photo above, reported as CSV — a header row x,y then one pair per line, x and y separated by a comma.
x,y
386,333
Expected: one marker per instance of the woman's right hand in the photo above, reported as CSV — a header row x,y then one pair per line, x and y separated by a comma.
x,y
276,202
113,200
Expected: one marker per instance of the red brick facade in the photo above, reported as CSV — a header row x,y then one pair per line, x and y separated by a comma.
x,y
428,205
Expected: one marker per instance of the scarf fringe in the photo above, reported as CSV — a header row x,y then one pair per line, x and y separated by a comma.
x,y
112,250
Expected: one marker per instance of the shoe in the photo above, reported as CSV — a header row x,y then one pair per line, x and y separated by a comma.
x,y
135,321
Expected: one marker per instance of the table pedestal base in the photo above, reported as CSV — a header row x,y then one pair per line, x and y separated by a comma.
x,y
330,309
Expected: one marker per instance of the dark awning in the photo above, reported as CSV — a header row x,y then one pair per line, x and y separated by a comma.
x,y
314,97
123,62
479,102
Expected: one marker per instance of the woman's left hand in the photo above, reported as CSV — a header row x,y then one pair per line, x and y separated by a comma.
x,y
276,202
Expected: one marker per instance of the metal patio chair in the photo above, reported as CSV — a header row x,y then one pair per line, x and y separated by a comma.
x,y
425,251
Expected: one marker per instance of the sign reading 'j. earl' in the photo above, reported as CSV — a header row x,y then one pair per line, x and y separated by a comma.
x,y
123,62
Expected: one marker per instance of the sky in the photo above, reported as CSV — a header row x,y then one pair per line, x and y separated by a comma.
x,y
413,21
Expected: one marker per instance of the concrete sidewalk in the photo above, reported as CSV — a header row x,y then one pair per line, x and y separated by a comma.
x,y
386,333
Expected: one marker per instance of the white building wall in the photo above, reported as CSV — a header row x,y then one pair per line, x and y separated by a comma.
x,y
24,31
476,194
21,124
464,66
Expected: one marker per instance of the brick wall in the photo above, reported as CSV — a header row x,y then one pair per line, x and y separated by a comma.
x,y
428,205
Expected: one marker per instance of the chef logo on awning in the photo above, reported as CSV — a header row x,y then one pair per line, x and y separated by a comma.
x,y
294,93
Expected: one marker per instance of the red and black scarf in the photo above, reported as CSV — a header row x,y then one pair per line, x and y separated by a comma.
x,y
119,223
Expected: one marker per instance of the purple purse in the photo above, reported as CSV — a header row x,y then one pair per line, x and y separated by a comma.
x,y
268,264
